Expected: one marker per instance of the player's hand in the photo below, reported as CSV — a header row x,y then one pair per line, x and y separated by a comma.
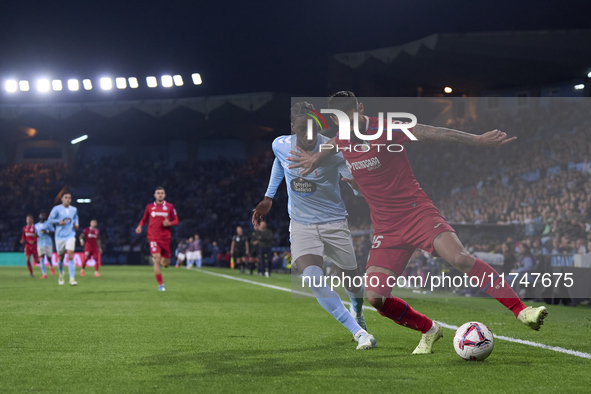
x,y
494,138
76,226
261,210
100,251
62,223
352,182
22,241
138,230
81,242
304,159
166,223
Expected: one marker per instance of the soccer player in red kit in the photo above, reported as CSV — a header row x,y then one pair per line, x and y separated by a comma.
x,y
162,217
404,218
29,238
91,240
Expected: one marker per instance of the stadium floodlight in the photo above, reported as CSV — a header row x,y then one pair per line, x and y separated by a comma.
x,y
152,82
178,80
23,86
121,83
447,89
11,86
106,83
73,85
589,74
197,79
87,83
79,139
56,84
133,82
579,86
83,201
166,81
43,85
87,200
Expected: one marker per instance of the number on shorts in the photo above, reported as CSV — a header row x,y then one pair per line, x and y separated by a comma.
x,y
377,241
153,246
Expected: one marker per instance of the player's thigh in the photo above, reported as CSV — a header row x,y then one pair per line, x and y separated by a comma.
x,y
71,244
60,246
165,262
383,266
164,246
338,245
422,232
305,240
449,246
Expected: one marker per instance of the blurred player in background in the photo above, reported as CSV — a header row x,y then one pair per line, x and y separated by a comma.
x,y
181,251
91,240
263,239
29,238
44,243
239,249
65,219
190,252
197,250
161,216
405,218
318,225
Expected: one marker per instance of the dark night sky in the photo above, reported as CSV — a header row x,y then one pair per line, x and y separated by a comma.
x,y
237,46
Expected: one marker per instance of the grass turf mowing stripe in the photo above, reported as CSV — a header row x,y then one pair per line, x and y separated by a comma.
x,y
445,325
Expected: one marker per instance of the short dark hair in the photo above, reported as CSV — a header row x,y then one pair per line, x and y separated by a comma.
x,y
344,101
299,109
159,188
66,192
30,215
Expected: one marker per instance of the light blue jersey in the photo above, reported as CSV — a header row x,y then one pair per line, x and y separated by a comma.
x,y
68,215
44,239
315,199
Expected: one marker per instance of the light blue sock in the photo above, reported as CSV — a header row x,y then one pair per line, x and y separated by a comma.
x,y
42,264
198,263
60,265
72,268
329,299
357,299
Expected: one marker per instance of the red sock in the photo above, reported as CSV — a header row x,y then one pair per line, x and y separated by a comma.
x,y
399,311
159,278
500,290
83,263
97,264
30,267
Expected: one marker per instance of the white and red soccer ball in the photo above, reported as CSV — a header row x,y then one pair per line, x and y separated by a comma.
x,y
474,341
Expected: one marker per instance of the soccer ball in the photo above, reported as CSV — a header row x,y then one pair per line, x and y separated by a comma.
x,y
474,341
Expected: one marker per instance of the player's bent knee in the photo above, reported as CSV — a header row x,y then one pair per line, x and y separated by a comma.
x,y
376,302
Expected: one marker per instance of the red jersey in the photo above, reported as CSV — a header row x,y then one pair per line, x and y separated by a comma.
x,y
29,234
157,213
90,238
385,178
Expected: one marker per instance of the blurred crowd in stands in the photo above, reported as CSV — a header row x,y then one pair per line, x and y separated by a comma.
x,y
541,182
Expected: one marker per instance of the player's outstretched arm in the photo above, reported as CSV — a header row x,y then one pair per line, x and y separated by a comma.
x,y
426,133
311,161
265,205
138,229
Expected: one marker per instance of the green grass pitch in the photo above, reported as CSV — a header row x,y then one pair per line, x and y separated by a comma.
x,y
206,333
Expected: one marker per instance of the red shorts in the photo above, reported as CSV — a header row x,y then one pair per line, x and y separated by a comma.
x,y
394,250
31,250
94,252
159,246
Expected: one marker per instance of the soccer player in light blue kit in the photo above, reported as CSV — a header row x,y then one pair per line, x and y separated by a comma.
x,y
65,219
318,222
44,243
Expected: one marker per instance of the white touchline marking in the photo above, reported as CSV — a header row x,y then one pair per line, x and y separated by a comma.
x,y
444,325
